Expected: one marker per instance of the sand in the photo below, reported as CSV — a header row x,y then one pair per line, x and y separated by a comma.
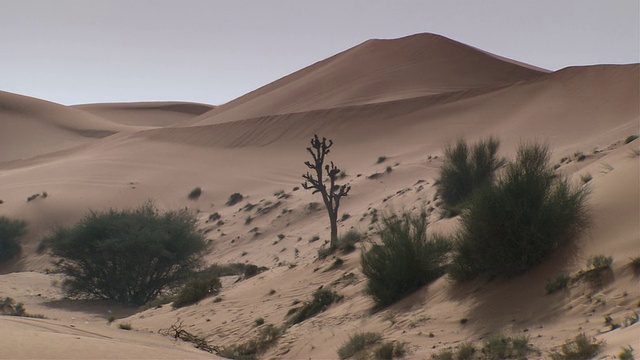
x,y
404,99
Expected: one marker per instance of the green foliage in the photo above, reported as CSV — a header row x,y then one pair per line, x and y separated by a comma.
x,y
626,353
358,342
630,138
195,290
127,255
599,263
249,350
381,159
322,299
195,193
124,326
560,282
405,260
466,169
10,232
580,348
259,321
513,225
234,199
466,351
347,242
501,347
9,307
634,264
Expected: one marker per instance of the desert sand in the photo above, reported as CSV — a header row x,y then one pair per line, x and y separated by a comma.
x,y
404,99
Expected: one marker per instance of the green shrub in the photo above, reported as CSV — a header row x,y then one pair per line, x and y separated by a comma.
x,y
443,355
234,199
560,282
466,351
580,348
195,290
599,263
322,299
405,260
127,255
195,193
626,353
347,242
512,226
358,342
259,321
630,138
10,232
500,347
266,338
466,169
124,326
381,159
634,264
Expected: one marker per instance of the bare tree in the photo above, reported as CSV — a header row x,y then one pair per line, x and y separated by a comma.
x,y
331,192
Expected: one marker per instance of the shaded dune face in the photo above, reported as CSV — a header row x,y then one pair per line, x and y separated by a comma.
x,y
157,114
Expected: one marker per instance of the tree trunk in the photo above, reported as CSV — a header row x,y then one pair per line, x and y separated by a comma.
x,y
334,230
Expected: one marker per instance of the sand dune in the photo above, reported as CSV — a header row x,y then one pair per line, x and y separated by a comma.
x,y
147,113
403,99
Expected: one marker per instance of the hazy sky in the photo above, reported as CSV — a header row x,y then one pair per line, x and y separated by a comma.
x,y
81,51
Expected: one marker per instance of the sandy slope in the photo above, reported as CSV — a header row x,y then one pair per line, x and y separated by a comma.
x,y
403,99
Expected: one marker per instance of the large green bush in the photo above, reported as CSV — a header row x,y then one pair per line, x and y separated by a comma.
x,y
467,168
404,260
10,232
127,255
511,226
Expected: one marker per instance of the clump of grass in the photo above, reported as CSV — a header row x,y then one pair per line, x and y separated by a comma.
x,y
357,343
586,178
381,159
214,217
336,264
322,299
466,351
314,238
195,193
347,242
580,156
626,353
388,350
9,307
404,260
445,354
510,227
388,169
345,217
234,199
560,282
634,153
195,290
259,321
248,220
111,319
630,138
125,326
579,348
634,264
504,347
266,338
599,263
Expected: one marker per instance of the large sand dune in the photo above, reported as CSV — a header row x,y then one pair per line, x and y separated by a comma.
x,y
403,99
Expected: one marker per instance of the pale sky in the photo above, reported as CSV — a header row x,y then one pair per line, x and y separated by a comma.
x,y
84,51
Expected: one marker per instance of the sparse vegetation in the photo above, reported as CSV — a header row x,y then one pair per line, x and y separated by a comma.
x,y
322,299
195,290
331,193
267,336
634,263
9,307
195,193
513,225
124,326
259,321
234,199
466,169
127,255
560,282
580,348
626,353
10,233
177,331
358,343
404,260
347,242
630,138
503,347
381,159
586,178
388,350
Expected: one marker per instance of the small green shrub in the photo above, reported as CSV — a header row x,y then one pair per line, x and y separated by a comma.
x,y
124,326
580,156
466,351
347,242
634,264
234,199
626,353
381,159
580,348
357,343
322,299
586,178
503,347
195,193
512,226
599,263
345,217
10,233
388,350
560,282
266,338
405,260
259,321
630,138
314,238
443,355
466,169
195,290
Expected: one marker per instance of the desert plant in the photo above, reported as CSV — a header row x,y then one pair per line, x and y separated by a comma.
x,y
347,242
259,321
10,233
466,169
634,264
466,351
381,159
510,227
357,343
404,260
234,199
195,193
445,354
599,263
124,326
127,255
630,138
560,282
322,299
586,178
579,348
500,347
626,353
267,336
331,193
195,290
